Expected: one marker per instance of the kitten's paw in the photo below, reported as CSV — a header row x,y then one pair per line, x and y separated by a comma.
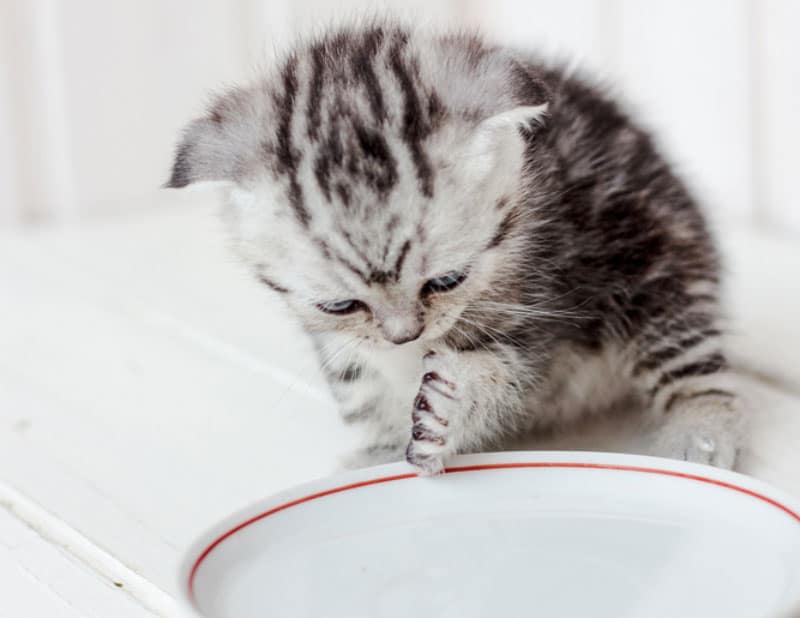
x,y
427,464
435,406
700,447
706,430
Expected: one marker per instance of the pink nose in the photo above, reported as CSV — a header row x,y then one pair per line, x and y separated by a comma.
x,y
401,338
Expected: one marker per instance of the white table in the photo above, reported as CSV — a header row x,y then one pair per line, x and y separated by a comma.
x,y
149,386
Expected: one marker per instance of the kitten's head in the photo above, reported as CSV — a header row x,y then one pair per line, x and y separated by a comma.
x,y
374,179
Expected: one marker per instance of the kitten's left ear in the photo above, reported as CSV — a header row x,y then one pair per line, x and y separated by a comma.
x,y
218,146
496,148
205,153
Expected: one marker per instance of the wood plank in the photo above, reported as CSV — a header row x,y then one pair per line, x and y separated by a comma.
x,y
43,579
117,419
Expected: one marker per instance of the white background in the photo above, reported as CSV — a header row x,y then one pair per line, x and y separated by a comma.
x,y
93,93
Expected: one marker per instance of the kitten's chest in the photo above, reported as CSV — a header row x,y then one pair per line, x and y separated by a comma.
x,y
401,368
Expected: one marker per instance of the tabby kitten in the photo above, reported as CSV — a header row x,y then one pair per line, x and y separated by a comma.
x,y
478,244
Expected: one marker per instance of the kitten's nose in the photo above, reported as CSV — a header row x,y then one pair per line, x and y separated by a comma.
x,y
400,322
400,339
401,331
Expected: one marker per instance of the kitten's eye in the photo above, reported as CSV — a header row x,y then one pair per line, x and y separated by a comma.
x,y
342,307
445,283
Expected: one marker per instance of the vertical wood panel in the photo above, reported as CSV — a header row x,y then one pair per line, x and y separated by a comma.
x,y
777,161
38,129
686,67
94,91
10,196
136,73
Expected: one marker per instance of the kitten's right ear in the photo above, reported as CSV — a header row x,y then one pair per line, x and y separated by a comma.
x,y
495,148
220,145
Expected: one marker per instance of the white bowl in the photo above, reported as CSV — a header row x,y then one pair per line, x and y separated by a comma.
x,y
509,534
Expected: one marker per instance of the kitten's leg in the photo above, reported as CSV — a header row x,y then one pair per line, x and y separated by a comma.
x,y
681,369
466,401
366,401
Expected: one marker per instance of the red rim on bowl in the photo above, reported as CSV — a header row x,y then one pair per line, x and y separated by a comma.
x,y
473,468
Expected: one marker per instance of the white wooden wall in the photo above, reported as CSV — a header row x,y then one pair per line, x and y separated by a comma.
x,y
92,93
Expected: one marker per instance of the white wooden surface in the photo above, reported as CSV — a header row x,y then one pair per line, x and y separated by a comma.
x,y
49,570
149,387
138,369
92,93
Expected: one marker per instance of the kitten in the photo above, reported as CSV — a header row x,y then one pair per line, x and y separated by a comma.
x,y
478,244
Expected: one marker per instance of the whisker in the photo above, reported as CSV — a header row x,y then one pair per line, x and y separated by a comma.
x,y
470,340
327,362
488,331
532,309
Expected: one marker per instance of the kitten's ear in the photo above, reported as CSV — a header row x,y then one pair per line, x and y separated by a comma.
x,y
197,156
496,147
217,146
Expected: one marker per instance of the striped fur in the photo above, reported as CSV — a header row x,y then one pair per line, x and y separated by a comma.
x,y
378,158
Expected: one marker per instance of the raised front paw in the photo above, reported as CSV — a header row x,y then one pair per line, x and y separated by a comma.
x,y
435,407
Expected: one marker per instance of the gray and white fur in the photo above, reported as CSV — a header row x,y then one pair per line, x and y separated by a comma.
x,y
479,244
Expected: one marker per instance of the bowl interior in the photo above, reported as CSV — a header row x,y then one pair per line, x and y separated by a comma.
x,y
562,534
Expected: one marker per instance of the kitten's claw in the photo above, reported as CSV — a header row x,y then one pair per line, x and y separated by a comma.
x,y
705,450
420,433
426,465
